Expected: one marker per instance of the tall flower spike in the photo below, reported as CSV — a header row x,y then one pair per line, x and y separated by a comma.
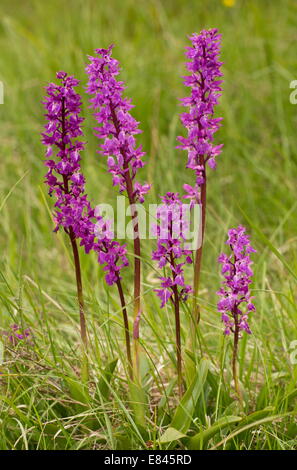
x,y
117,129
205,84
236,301
170,254
64,177
73,211
204,67
117,125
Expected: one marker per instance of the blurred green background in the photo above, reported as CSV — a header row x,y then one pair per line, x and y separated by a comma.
x,y
254,184
256,172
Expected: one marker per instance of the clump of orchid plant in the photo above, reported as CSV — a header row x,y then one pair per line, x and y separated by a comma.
x,y
117,130
204,81
73,211
172,257
235,302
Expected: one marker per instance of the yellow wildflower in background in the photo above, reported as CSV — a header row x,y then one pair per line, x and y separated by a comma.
x,y
229,3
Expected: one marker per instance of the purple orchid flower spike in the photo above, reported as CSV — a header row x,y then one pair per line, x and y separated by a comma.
x,y
117,130
172,257
204,81
73,211
236,301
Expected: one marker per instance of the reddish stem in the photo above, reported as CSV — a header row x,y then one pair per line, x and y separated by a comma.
x,y
70,233
83,329
235,315
177,326
126,324
235,353
178,341
198,257
137,249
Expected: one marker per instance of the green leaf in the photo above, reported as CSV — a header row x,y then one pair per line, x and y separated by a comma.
x,y
144,367
164,400
190,366
170,435
252,424
138,403
200,440
183,415
289,398
106,378
78,391
256,415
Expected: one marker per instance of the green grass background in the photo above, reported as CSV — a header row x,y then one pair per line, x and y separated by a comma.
x,y
254,184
